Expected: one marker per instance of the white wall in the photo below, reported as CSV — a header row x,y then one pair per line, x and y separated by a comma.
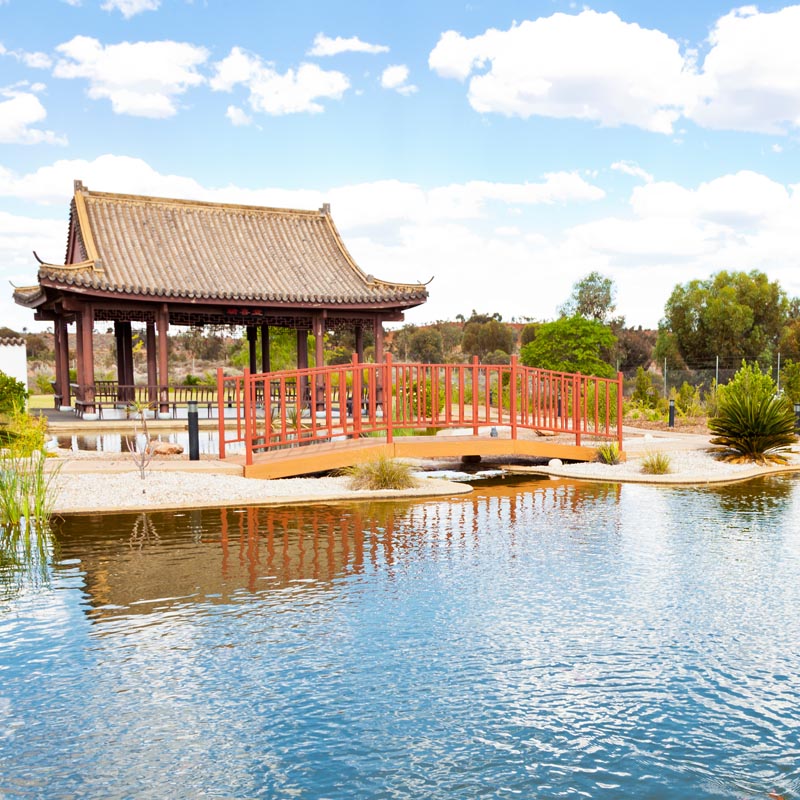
x,y
13,358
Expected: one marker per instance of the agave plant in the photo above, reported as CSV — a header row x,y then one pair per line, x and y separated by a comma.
x,y
750,426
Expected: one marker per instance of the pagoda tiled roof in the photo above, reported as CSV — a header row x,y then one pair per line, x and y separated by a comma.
x,y
185,249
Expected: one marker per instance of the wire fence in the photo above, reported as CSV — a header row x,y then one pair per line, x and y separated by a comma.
x,y
665,378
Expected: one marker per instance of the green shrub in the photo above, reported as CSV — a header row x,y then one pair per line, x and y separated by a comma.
x,y
790,380
645,394
44,384
656,464
752,423
13,394
608,453
688,401
380,473
191,380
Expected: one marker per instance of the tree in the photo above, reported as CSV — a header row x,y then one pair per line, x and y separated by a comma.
x,y
528,333
593,297
425,346
571,344
733,315
482,338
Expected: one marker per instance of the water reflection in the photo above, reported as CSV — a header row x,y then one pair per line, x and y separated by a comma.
x,y
214,554
542,639
26,553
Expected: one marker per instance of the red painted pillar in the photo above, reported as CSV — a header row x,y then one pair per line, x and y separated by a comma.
x,y
163,358
152,362
61,336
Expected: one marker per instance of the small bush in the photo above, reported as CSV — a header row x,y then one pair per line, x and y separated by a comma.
x,y
608,453
752,423
13,394
380,473
752,428
656,464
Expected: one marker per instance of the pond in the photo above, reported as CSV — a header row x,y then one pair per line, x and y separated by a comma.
x,y
535,639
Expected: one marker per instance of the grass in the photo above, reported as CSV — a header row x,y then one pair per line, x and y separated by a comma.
x,y
608,453
380,473
656,464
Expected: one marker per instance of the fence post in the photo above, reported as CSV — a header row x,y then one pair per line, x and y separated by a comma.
x,y
388,391
576,408
512,397
248,424
221,413
474,395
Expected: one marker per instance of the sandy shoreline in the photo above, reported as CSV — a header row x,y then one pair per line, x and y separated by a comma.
x,y
99,483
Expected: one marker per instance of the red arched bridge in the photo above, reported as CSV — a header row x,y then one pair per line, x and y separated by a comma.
x,y
307,420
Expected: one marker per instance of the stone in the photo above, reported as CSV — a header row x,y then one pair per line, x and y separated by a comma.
x,y
555,462
165,448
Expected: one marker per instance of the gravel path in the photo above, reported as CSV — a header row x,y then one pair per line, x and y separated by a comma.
x,y
93,492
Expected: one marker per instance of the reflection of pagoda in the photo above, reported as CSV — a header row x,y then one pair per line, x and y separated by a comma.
x,y
157,560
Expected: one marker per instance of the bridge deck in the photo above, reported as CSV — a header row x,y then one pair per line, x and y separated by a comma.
x,y
303,460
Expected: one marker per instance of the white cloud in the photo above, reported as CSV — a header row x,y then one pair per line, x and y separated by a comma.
x,y
140,78
403,231
325,46
590,66
632,169
751,75
238,117
595,66
295,91
776,148
18,112
35,60
395,77
129,8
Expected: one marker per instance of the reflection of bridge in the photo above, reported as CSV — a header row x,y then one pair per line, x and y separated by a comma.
x,y
224,552
308,420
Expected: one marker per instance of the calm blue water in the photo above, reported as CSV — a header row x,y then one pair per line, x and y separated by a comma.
x,y
542,640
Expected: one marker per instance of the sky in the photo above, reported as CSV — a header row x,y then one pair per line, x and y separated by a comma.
x,y
505,149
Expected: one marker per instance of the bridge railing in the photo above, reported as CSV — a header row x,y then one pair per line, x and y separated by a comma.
x,y
321,404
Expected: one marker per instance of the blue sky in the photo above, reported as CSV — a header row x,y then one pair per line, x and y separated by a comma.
x,y
505,148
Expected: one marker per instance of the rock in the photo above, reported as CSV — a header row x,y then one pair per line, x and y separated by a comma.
x,y
165,448
555,462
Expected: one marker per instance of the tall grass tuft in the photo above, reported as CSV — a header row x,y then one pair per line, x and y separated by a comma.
x,y
609,453
380,473
656,464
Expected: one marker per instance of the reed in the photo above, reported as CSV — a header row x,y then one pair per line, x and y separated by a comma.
x,y
380,473
656,464
609,453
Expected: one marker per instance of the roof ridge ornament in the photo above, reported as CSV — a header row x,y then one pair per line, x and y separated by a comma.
x,y
77,186
326,209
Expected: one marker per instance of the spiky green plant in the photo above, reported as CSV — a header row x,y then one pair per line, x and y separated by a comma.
x,y
753,427
608,453
380,473
656,463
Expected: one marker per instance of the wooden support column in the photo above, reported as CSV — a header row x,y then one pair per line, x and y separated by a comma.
x,y
85,355
152,362
265,347
319,357
302,361
162,320
359,342
252,341
378,328
61,336
379,359
124,341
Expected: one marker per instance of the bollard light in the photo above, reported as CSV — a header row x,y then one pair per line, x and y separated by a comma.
x,y
797,416
194,432
671,413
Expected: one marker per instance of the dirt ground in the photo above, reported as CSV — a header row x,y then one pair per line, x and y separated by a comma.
x,y
682,425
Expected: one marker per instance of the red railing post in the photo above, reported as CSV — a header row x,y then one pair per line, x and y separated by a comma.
x,y
387,398
474,395
248,427
356,396
512,398
576,408
220,413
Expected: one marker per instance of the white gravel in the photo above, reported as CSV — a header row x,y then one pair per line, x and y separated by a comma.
x,y
126,491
